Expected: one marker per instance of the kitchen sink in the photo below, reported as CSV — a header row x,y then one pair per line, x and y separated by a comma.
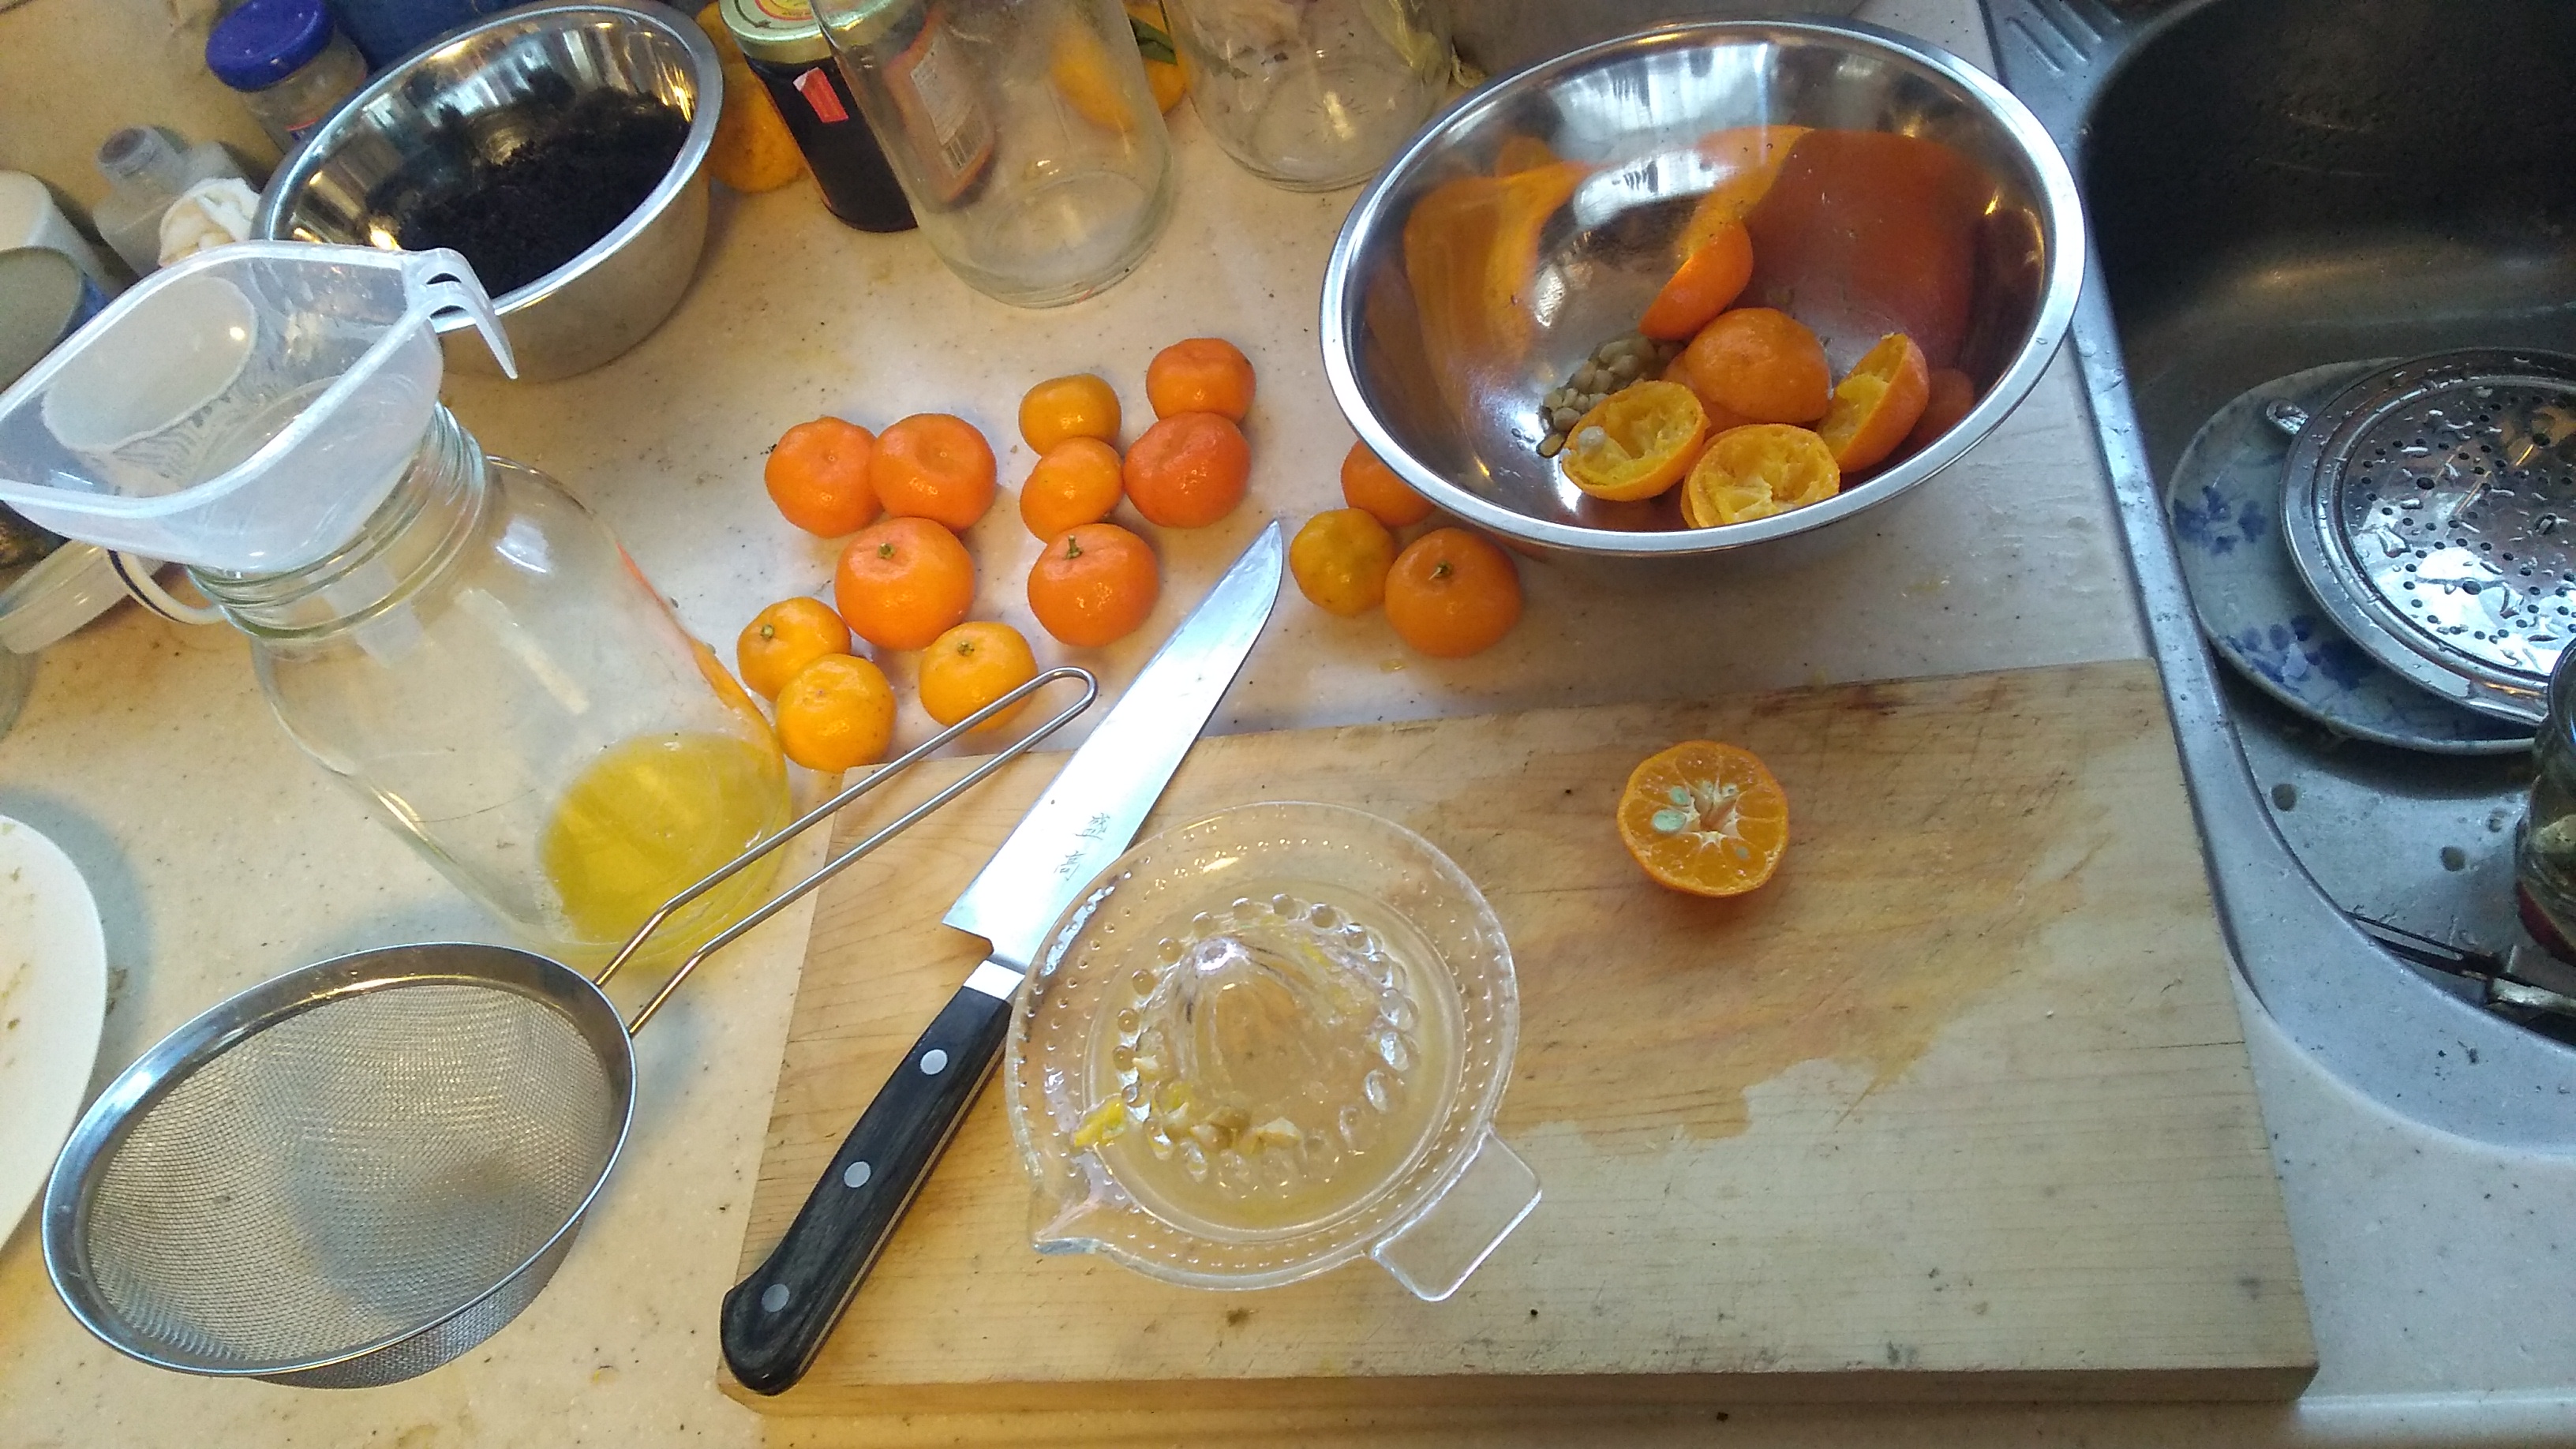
x,y
2274,186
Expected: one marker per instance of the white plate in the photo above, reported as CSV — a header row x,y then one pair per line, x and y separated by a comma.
x,y
53,1000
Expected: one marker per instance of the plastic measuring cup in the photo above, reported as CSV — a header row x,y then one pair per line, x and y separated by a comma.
x,y
245,409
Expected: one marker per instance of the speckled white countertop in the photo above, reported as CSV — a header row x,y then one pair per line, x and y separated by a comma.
x,y
220,855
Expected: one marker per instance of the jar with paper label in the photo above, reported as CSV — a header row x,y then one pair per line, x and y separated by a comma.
x,y
784,50
1023,132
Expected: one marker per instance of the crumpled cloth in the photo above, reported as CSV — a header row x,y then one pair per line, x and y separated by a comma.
x,y
208,214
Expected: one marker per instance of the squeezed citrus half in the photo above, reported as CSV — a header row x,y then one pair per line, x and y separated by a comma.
x,y
1877,405
1757,471
1636,443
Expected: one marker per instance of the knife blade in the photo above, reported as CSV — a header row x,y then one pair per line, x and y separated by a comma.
x,y
774,1321
1091,812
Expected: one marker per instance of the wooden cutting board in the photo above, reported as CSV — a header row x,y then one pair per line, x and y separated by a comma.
x,y
1957,1106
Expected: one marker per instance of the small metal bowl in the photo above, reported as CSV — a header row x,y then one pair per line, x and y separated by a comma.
x,y
495,77
1449,395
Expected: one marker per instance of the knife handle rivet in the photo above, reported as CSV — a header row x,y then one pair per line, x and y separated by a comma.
x,y
933,1062
774,1297
855,1175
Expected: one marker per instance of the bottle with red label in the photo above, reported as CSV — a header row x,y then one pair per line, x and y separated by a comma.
x,y
1023,132
785,48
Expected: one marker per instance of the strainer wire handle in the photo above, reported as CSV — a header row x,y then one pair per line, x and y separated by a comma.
x,y
834,866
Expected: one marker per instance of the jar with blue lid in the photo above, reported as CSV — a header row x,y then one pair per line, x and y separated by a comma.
x,y
291,64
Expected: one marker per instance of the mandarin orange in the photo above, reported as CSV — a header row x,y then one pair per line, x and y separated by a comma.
x,y
836,714
784,638
1093,585
1078,405
1452,594
1367,482
1078,481
1761,364
1189,470
1340,560
1757,471
1201,375
818,475
904,582
1707,283
935,466
971,666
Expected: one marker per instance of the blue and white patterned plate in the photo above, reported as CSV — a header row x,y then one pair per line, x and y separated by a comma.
x,y
2224,501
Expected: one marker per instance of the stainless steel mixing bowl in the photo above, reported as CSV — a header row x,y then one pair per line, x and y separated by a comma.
x,y
495,79
1449,394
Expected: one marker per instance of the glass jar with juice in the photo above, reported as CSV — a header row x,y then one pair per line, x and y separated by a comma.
x,y
451,635
485,667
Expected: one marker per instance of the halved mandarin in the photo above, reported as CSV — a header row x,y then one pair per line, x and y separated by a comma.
x,y
1877,404
1636,443
1755,472
1706,283
1693,515
1706,818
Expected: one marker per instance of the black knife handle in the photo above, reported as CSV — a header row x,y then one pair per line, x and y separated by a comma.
x,y
775,1320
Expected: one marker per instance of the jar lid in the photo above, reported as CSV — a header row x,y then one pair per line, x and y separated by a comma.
x,y
263,42
776,30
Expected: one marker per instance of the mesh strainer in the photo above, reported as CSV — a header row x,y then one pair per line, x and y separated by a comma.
x,y
352,1173
2431,508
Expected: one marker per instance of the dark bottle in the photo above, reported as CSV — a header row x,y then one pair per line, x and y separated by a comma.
x,y
786,49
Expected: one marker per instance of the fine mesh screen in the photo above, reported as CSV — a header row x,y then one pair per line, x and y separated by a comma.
x,y
2453,506
350,1173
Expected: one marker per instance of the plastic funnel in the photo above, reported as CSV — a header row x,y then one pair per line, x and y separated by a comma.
x,y
245,409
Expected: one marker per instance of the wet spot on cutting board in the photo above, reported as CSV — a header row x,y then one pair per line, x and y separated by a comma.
x,y
1937,829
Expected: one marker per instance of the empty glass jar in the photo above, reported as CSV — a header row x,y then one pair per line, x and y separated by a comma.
x,y
1023,132
1313,94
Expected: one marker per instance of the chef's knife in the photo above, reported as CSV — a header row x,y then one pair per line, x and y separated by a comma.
x,y
775,1320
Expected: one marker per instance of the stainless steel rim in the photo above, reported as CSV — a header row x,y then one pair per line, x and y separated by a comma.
x,y
123,1104
2066,237
704,64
